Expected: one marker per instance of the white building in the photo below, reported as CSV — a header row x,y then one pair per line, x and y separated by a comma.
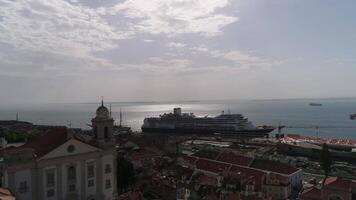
x,y
57,165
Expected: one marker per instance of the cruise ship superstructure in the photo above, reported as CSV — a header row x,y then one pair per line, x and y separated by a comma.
x,y
188,123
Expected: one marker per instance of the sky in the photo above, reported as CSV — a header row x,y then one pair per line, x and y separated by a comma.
x,y
158,50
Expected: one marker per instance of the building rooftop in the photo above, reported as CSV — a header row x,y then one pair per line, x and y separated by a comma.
x,y
273,166
47,140
311,193
338,183
230,157
211,166
207,153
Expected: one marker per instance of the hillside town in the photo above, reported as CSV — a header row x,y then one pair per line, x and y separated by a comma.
x,y
113,163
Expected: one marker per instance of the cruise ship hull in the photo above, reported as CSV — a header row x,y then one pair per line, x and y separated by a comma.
x,y
187,131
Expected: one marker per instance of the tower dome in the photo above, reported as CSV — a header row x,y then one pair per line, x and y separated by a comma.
x,y
102,111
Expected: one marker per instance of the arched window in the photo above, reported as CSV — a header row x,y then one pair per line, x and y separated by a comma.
x,y
71,173
106,132
95,132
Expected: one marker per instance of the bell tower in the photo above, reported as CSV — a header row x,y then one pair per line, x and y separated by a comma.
x,y
103,126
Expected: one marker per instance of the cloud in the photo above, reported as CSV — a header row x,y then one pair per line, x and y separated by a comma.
x,y
238,56
176,45
246,59
56,34
53,36
157,66
55,26
200,49
148,41
174,17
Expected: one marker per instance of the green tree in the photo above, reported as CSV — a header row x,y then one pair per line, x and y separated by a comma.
x,y
325,161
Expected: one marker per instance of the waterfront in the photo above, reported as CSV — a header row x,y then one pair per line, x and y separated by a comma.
x,y
334,113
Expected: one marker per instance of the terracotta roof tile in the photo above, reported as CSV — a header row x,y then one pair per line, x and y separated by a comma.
x,y
230,157
311,193
273,166
211,166
208,154
48,140
338,183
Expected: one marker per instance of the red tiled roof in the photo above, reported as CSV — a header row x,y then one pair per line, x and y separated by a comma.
x,y
189,159
211,166
246,171
137,195
230,157
311,193
273,166
207,153
142,154
47,140
338,183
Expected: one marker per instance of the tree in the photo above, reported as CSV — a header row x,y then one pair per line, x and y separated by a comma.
x,y
125,174
325,161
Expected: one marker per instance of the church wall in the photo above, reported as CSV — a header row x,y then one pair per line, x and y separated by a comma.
x,y
90,190
43,183
66,184
108,160
23,176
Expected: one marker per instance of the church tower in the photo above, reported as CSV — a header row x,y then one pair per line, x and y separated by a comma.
x,y
103,126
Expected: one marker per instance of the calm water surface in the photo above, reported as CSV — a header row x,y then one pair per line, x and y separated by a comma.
x,y
334,112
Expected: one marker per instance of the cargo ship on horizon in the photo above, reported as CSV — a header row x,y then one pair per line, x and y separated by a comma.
x,y
187,123
315,104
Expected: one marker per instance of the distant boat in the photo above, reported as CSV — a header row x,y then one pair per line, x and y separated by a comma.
x,y
353,116
315,104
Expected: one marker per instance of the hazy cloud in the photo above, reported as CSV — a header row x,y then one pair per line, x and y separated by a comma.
x,y
176,45
176,16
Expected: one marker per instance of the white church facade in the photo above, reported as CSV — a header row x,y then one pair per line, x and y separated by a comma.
x,y
59,166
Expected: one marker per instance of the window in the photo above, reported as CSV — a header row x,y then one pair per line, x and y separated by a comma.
x,y
106,132
90,183
90,171
107,168
71,148
50,193
23,187
71,187
50,178
107,184
71,173
95,131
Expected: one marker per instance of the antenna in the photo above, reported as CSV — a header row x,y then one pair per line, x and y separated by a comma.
x,y
110,110
69,124
102,100
120,117
17,116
